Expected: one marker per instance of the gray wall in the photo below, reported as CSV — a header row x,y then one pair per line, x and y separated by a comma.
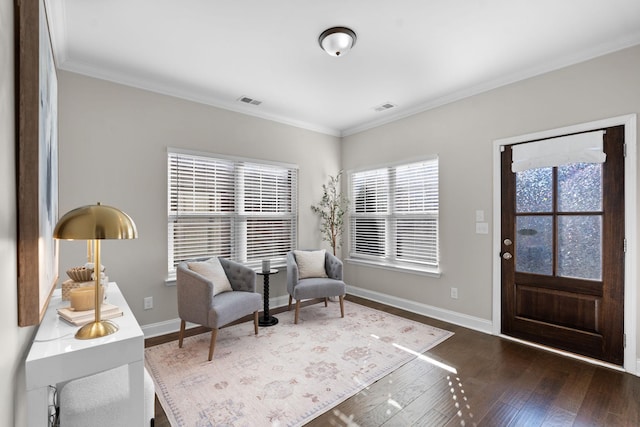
x,y
113,144
15,340
126,131
462,134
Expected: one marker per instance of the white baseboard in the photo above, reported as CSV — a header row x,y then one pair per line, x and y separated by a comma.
x,y
162,328
475,323
169,326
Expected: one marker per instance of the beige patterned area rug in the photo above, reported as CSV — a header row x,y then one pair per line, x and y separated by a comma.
x,y
288,374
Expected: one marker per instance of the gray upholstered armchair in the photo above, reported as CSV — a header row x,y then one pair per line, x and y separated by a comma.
x,y
323,280
201,301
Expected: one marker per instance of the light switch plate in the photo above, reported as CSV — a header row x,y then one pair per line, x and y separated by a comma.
x,y
482,228
479,216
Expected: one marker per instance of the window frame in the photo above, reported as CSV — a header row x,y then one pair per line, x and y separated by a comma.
x,y
239,218
390,259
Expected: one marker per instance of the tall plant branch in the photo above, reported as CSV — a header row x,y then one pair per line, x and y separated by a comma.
x,y
331,210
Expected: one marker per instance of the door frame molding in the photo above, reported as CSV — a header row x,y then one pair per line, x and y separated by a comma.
x,y
629,121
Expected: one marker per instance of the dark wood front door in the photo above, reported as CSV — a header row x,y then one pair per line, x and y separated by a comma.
x,y
563,253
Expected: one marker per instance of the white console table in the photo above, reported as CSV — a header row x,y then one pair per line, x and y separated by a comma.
x,y
56,356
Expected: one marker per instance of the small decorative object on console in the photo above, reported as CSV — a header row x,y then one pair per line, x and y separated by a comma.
x,y
81,318
80,277
84,298
80,274
69,285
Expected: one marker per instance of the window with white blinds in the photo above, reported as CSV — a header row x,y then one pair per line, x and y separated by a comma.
x,y
394,215
238,209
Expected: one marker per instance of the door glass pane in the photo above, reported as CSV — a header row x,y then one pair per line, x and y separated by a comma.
x,y
534,244
580,187
534,190
580,247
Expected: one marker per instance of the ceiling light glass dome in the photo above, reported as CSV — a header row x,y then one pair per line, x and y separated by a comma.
x,y
337,41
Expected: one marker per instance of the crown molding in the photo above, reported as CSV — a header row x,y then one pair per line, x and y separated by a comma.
x,y
576,58
189,95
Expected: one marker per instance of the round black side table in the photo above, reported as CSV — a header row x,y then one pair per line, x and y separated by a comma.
x,y
266,319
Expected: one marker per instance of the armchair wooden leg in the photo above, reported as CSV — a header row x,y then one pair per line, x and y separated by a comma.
x,y
181,334
295,319
214,334
255,321
289,307
341,305
325,301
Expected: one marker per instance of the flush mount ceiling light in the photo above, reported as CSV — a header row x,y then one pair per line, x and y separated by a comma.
x,y
337,41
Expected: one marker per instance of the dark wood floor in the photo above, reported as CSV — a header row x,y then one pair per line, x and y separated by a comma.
x,y
496,382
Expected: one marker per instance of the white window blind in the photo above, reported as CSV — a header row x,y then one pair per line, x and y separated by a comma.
x,y
579,148
394,214
370,208
241,210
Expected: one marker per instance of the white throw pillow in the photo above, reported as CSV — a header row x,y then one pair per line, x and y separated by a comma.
x,y
212,270
310,263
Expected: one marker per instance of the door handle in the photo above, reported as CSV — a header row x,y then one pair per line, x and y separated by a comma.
x,y
507,255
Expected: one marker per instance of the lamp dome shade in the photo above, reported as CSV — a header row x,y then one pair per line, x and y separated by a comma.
x,y
337,41
95,222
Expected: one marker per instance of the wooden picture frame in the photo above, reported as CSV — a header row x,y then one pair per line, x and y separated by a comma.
x,y
36,160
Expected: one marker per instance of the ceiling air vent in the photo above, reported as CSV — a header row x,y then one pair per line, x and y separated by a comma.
x,y
385,106
248,100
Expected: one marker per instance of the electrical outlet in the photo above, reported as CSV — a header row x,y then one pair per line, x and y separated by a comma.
x,y
148,303
454,293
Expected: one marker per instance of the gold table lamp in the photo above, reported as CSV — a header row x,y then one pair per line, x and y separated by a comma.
x,y
95,223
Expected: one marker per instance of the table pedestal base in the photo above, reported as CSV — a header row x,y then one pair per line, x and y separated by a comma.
x,y
267,321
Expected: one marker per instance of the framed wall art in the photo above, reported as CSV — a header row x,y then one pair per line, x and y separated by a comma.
x,y
36,159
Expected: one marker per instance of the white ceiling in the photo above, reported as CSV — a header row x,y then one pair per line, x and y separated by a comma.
x,y
416,54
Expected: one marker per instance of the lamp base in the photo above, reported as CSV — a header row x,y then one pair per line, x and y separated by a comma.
x,y
96,330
